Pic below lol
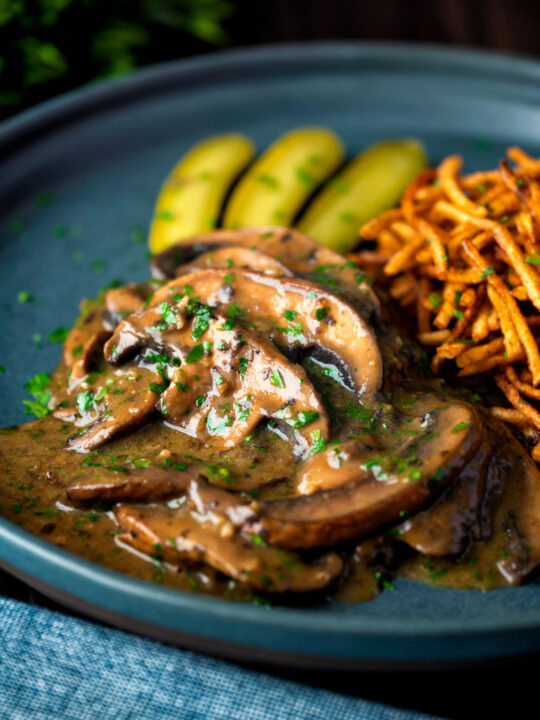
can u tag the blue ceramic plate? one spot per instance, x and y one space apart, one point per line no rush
103 151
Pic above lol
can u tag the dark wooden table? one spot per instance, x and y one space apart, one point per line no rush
499 690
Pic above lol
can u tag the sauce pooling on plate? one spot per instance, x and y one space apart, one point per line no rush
250 424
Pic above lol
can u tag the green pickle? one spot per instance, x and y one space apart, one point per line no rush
279 183
192 196
371 183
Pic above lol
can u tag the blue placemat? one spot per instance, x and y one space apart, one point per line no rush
57 667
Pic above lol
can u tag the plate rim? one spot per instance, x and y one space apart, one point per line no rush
67 108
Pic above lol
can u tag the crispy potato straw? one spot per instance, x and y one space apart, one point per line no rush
462 254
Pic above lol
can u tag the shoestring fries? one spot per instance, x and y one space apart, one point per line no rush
462 252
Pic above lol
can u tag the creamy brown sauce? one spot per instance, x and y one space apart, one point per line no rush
295 427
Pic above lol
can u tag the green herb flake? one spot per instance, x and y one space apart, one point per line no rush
268 181
99 266
165 215
85 401
157 388
276 379
243 363
195 354
290 314
460 426
321 313
234 310
24 296
305 178
305 417
258 540
59 335
167 313
435 300
319 443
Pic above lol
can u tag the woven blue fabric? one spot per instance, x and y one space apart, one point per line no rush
56 667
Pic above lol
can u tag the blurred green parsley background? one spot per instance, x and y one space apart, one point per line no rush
49 46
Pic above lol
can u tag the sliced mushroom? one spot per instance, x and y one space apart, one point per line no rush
225 385
375 498
84 341
91 352
456 519
295 250
239 258
121 402
317 318
178 536
519 512
124 300
140 485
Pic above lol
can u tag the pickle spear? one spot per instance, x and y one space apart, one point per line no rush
278 184
374 181
192 196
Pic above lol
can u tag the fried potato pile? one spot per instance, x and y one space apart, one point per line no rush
463 253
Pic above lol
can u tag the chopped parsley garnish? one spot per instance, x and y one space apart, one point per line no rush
167 313
305 178
319 443
269 180
357 412
234 310
24 296
38 387
487 272
157 388
533 259
458 314
290 314
276 379
200 400
321 313
243 363
85 401
257 540
195 354
164 215
304 417
202 321
228 325
140 462
59 335
460 426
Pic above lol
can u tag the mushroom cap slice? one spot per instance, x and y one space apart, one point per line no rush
141 485
238 257
182 537
224 386
457 518
319 318
126 299
292 248
362 505
120 404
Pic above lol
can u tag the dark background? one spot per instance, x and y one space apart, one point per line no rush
50 46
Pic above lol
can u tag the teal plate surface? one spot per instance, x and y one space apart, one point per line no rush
103 152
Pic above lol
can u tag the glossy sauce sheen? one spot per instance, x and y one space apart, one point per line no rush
369 470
